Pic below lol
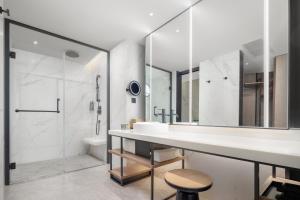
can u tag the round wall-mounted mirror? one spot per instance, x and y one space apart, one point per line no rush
134 88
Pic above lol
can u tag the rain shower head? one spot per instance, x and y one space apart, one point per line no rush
72 54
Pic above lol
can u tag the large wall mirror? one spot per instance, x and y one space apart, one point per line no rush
221 63
168 56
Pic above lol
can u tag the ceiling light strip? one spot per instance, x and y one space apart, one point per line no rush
150 74
190 63
266 62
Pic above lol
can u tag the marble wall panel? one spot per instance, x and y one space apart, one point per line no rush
219 90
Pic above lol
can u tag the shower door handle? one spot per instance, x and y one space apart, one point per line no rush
57 105
39 111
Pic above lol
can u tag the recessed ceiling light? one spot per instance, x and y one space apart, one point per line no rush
151 14
177 31
35 42
246 64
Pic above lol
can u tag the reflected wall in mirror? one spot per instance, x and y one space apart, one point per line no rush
228 52
227 63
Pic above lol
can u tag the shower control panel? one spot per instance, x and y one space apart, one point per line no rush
99 110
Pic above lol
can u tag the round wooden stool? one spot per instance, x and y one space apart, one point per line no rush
188 183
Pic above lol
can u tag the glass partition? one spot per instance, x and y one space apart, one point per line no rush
169 72
53 104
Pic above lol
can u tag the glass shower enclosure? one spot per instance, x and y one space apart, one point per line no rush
53 104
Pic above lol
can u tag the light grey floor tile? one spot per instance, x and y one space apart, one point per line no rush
43 169
89 184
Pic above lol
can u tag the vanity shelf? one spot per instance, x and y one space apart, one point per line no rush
142 167
285 181
129 172
144 161
282 187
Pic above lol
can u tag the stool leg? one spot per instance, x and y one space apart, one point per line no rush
186 196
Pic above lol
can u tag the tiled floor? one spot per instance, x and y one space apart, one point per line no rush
38 170
89 184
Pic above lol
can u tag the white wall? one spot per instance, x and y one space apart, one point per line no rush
36 81
127 63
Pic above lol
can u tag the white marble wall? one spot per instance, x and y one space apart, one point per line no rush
36 81
127 64
219 99
80 89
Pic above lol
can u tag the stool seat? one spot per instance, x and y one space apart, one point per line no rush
188 179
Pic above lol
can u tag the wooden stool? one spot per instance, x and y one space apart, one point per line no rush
188 183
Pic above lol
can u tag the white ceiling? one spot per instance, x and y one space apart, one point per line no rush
103 23
23 38
220 27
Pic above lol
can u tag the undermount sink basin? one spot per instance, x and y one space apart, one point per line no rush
150 127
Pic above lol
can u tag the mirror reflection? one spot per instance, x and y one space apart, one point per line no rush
169 84
222 64
228 59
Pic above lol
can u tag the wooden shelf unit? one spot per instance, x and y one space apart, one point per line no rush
143 161
286 181
129 171
281 185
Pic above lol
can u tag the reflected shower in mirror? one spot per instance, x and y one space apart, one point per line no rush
168 73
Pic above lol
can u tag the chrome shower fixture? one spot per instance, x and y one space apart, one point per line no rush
72 54
98 88
99 109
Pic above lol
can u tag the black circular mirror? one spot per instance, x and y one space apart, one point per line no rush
134 88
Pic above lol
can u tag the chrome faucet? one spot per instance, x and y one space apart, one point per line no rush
163 114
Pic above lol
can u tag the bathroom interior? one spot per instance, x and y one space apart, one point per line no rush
225 63
194 99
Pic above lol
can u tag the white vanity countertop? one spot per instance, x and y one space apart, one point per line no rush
264 150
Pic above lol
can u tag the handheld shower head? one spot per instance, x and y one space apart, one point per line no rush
99 109
98 80
98 88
